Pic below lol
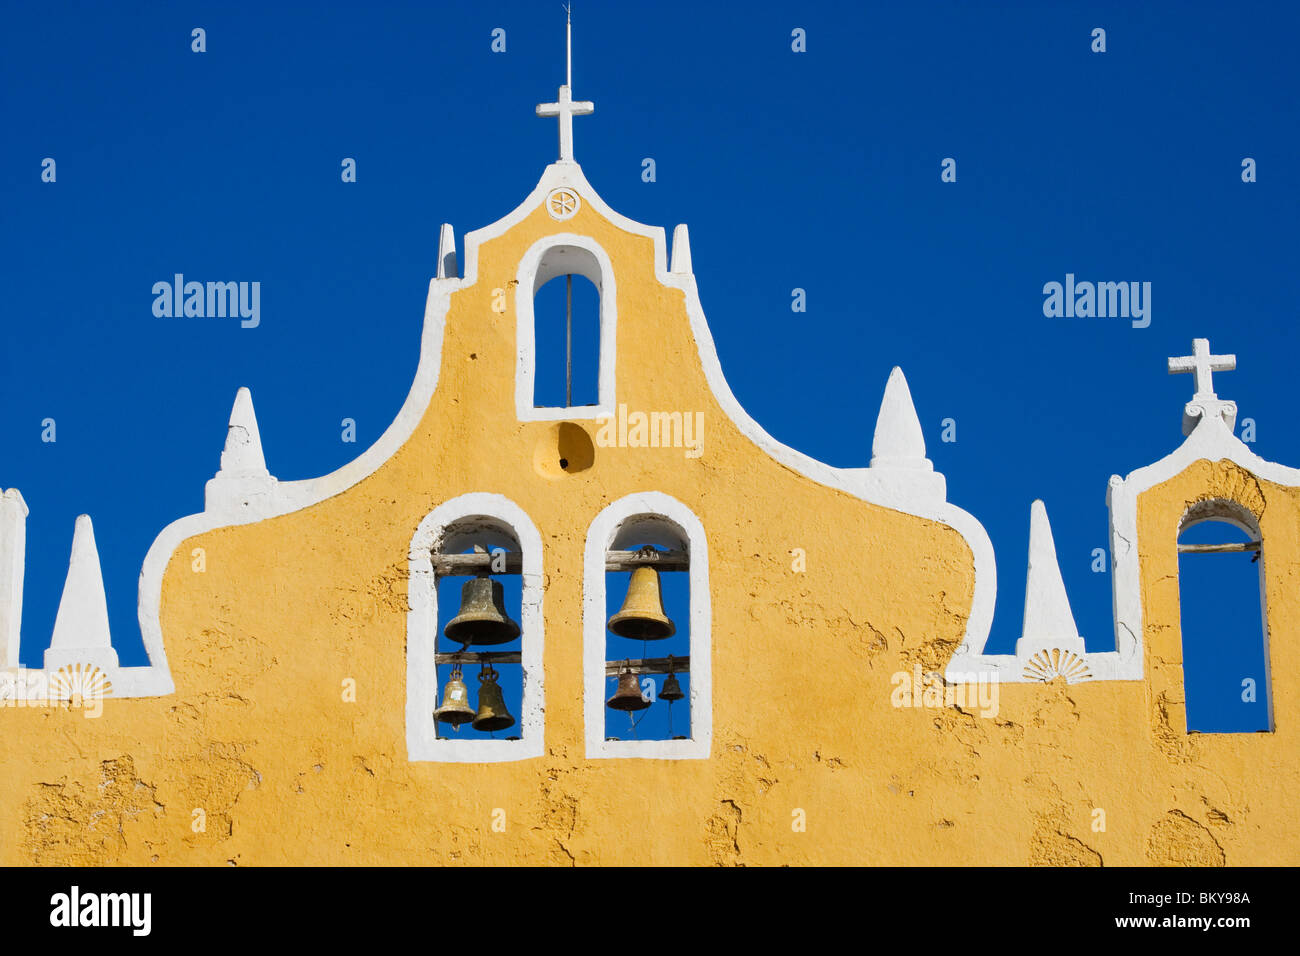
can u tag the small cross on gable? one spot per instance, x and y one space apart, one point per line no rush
1203 364
1205 404
566 109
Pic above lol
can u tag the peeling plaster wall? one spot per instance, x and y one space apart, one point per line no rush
259 737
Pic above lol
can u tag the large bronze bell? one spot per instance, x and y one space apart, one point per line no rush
455 709
642 616
482 618
628 696
492 714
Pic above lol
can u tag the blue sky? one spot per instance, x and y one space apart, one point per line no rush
818 170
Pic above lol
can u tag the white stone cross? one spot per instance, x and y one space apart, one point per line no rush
1202 363
566 109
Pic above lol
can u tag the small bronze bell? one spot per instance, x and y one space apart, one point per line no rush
492 714
455 709
672 690
628 696
642 616
482 618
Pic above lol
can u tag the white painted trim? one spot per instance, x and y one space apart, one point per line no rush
290 496
83 592
853 481
1210 440
13 565
33 683
285 497
534 272
600 536
422 742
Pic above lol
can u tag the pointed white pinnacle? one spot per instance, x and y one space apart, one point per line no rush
898 441
681 260
13 558
243 486
82 619
242 456
447 267
1048 618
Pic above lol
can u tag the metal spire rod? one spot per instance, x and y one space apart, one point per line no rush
568 279
568 341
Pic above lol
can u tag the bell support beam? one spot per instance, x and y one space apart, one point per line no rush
650 665
478 657
460 564
1218 548
662 560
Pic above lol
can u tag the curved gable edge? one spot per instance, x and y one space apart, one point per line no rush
286 497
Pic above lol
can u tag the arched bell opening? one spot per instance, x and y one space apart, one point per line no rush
478 650
1223 620
475 565
648 631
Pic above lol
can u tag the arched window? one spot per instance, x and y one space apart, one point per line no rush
565 304
566 313
1222 608
474 634
647 626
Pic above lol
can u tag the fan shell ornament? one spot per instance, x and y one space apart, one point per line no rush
1051 663
79 682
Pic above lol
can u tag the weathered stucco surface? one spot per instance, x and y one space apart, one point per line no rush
260 738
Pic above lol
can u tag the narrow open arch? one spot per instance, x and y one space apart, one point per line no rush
566 336
1223 619
491 521
551 257
629 522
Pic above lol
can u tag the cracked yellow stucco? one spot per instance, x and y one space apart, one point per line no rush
260 758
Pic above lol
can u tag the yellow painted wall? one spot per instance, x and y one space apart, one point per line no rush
258 734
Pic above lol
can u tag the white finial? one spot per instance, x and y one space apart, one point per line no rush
81 632
565 107
243 486
1048 622
1205 404
681 260
447 268
242 456
898 441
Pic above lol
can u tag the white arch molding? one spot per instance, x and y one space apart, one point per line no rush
1236 515
551 256
493 520
1211 440
634 515
286 497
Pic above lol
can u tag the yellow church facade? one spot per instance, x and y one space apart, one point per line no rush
842 709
